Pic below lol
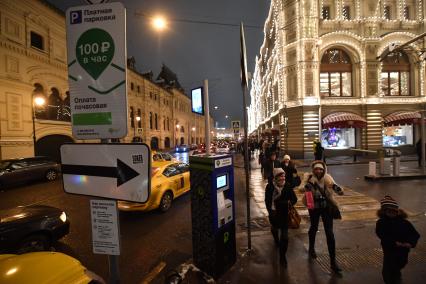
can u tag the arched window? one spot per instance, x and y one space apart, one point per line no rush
395 76
132 117
156 122
39 111
336 74
150 120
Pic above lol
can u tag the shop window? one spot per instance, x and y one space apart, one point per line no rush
338 138
37 40
335 74
326 13
395 76
394 136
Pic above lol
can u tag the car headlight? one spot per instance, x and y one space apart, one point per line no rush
63 217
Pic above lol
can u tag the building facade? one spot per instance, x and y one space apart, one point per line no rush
33 65
318 76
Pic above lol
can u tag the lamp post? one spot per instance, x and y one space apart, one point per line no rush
37 102
192 135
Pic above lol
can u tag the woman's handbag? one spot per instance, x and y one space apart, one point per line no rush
309 200
293 217
334 211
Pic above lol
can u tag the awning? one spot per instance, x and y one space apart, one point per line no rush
343 120
402 117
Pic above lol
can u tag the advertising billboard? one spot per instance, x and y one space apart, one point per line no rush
197 102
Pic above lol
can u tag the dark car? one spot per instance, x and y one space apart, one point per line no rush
182 148
19 171
31 228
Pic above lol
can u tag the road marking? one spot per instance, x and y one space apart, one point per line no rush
154 272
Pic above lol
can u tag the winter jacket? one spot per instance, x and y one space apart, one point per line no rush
268 169
281 203
397 229
312 183
290 173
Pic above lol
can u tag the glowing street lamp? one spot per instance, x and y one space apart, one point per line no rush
138 118
159 23
37 103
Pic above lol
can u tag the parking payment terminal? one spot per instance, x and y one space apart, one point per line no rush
213 213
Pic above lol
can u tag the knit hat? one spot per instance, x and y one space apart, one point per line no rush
286 157
278 171
388 202
318 165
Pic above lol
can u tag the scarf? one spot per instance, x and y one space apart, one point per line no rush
276 194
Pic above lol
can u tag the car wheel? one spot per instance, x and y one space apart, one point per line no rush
51 175
37 242
166 201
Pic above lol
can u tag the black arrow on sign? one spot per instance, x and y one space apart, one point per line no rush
122 172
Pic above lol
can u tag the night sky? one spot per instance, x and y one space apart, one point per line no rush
196 51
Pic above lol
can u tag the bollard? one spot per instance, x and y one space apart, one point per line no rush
396 166
372 168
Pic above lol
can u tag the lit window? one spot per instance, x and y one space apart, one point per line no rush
335 74
395 76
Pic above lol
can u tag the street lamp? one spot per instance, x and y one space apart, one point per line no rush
37 102
192 134
138 118
159 23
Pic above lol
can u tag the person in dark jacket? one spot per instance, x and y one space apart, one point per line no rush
419 152
397 237
289 167
270 164
278 194
318 150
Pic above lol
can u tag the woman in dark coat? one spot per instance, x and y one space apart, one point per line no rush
397 236
270 164
289 167
278 194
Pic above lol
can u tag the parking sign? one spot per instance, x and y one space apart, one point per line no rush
96 44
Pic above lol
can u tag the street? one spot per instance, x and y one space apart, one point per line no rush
161 241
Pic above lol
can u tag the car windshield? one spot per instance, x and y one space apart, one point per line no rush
4 165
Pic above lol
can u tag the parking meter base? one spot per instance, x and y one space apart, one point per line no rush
213 213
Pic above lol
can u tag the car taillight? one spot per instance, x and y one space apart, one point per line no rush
154 171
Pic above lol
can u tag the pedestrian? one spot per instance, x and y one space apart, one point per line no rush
270 164
289 167
318 150
278 194
397 237
419 152
321 185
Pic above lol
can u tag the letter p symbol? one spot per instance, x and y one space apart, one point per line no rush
76 17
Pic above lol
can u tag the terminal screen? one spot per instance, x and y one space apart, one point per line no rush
221 181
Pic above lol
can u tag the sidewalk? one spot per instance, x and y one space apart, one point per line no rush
358 249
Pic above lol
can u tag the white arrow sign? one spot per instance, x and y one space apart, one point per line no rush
116 171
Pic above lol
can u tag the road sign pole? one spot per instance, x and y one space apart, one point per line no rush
207 115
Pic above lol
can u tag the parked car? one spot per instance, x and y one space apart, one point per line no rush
18 171
45 267
193 146
169 180
182 148
31 228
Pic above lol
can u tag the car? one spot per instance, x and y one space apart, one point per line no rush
161 156
182 148
21 170
31 228
45 267
193 146
169 180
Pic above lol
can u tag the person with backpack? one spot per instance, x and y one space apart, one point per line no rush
397 236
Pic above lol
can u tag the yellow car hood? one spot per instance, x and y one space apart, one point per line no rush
41 268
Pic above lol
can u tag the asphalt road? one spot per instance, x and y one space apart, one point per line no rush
151 239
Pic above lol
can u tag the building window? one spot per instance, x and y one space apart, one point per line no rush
182 129
395 76
37 40
164 123
326 13
406 13
150 120
132 86
150 95
155 97
132 117
346 13
156 122
140 120
139 89
335 74
387 12
168 125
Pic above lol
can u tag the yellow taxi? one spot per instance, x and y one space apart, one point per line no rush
44 268
169 180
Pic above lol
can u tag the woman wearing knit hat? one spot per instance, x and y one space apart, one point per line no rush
397 237
321 185
278 194
289 167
